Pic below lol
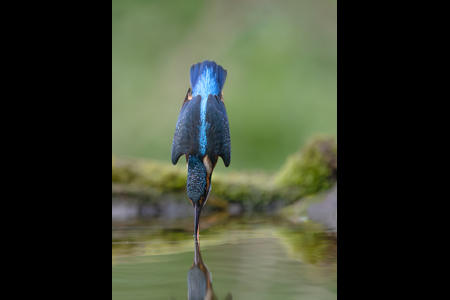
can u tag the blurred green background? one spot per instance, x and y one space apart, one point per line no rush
281 59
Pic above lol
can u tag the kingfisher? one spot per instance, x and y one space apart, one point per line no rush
202 133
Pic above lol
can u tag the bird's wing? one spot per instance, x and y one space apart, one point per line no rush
218 134
185 138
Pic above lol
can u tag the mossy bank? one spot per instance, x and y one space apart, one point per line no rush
310 170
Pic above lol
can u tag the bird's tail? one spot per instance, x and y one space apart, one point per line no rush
216 71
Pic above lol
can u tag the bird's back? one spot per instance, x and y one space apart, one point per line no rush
202 127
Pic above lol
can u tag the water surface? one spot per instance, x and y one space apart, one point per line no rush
237 258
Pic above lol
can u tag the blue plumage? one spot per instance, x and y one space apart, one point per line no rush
202 126
216 71
202 132
207 79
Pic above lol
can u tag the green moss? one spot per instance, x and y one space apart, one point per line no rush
147 173
307 172
244 187
312 169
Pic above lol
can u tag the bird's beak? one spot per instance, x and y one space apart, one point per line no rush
198 210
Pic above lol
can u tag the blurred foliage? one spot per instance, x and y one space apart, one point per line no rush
309 171
313 168
281 58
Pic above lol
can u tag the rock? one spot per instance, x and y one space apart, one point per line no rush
325 212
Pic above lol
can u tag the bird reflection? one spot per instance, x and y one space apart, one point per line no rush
199 278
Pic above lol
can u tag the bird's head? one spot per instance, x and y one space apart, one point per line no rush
199 180
199 183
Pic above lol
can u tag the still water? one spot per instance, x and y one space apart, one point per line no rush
235 258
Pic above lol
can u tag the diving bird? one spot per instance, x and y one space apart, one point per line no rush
202 133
